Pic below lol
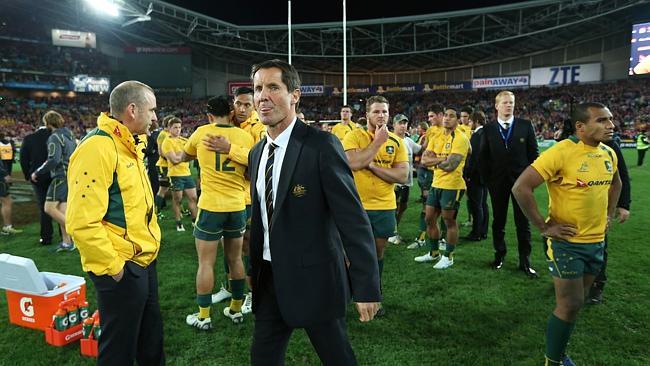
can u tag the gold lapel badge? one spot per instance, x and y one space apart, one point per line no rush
299 190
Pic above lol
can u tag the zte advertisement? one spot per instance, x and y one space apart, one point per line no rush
566 74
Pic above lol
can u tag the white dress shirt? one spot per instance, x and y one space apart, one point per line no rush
281 143
508 121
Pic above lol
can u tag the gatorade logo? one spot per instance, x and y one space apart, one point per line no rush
26 306
73 335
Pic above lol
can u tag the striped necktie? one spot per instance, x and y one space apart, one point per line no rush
268 184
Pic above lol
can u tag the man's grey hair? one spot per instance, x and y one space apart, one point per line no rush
125 93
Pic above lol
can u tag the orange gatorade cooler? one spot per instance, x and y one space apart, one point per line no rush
33 297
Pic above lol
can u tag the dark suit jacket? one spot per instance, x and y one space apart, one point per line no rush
317 213
503 166
33 153
471 171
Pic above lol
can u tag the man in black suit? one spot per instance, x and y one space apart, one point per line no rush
508 146
305 211
33 154
476 190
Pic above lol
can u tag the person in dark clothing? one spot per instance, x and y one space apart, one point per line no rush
33 154
508 147
152 155
476 190
60 146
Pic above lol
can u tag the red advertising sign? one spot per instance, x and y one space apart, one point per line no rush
234 85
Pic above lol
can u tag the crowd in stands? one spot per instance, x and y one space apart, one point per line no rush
546 107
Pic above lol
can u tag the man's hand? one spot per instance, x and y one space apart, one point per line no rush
367 310
622 214
8 178
217 143
118 277
429 154
559 231
381 135
34 177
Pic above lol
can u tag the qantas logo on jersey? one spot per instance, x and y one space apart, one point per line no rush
582 184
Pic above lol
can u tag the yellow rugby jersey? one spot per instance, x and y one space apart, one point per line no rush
434 131
176 144
465 129
444 145
257 130
254 127
340 130
222 178
578 178
162 161
375 193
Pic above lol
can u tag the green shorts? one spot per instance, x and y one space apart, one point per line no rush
183 183
4 188
383 223
445 199
57 191
212 226
249 213
163 179
573 260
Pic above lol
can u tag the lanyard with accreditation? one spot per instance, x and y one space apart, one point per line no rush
506 137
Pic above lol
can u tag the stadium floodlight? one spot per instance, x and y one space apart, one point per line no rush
107 7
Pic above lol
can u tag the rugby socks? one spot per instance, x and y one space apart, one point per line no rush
237 288
449 250
558 332
204 302
423 224
433 246
159 202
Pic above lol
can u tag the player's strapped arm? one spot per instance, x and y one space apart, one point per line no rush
398 173
359 157
430 159
90 175
451 163
613 195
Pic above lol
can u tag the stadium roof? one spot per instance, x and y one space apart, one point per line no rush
433 41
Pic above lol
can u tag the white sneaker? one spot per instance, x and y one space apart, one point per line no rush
236 318
180 227
247 307
444 263
193 320
7 230
427 258
395 239
223 294
416 244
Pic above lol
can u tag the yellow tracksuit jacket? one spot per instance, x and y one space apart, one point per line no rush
110 213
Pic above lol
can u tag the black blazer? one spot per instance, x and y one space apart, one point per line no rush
33 154
501 165
471 171
317 214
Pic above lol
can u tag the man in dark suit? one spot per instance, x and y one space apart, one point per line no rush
476 190
33 154
305 211
508 146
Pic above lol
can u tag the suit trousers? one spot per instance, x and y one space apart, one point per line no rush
500 195
40 191
477 200
131 322
271 335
